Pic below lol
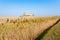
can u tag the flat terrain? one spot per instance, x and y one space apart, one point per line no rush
25 27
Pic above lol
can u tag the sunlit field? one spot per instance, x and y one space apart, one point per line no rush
53 33
29 28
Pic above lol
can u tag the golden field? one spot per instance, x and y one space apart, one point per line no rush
25 27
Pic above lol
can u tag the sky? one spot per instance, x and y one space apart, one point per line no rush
36 7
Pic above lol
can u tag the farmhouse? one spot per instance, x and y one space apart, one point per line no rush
28 14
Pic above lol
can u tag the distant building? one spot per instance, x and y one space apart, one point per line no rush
28 14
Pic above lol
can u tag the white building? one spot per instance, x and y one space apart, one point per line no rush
28 14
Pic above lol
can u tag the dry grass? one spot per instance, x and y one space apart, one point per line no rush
53 33
25 28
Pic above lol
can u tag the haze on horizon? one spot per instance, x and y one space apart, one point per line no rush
37 7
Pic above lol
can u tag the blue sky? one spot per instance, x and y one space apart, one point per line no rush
37 7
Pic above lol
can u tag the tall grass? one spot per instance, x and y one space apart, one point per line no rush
53 33
22 28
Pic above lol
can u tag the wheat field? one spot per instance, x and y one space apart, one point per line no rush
24 27
53 33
